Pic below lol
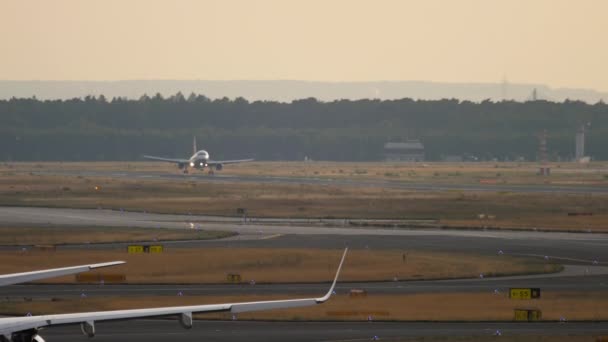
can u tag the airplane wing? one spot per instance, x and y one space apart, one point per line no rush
16 278
16 325
178 161
215 162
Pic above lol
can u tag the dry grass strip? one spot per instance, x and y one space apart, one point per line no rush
415 307
211 265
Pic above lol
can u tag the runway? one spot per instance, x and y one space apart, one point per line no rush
585 255
218 178
569 248
233 331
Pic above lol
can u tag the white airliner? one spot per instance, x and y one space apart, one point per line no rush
25 329
199 160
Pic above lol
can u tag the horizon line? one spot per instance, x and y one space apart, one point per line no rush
538 84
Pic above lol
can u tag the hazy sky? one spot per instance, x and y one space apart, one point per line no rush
557 42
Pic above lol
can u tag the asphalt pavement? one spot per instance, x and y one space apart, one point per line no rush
592 278
566 248
234 331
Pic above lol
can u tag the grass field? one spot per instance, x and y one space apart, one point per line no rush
565 173
444 173
211 265
448 208
53 235
571 306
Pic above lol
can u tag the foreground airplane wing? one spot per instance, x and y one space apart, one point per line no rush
179 161
215 162
15 328
16 278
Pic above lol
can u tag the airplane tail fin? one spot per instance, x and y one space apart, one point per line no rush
194 150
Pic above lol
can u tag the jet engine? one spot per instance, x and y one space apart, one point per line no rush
88 328
181 166
37 338
219 167
25 336
185 320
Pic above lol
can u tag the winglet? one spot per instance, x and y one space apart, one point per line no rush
333 285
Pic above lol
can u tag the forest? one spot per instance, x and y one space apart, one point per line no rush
97 128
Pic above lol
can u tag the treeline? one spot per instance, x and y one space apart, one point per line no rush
95 128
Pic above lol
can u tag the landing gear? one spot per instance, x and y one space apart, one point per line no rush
185 171
211 172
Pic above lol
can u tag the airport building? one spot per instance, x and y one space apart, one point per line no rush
409 151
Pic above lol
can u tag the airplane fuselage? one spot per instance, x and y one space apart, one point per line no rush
199 160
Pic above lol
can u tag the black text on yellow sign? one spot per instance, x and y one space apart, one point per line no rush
134 249
524 293
527 315
233 278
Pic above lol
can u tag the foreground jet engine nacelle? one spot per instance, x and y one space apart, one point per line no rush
219 167
23 336
27 336
185 320
88 328
181 166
